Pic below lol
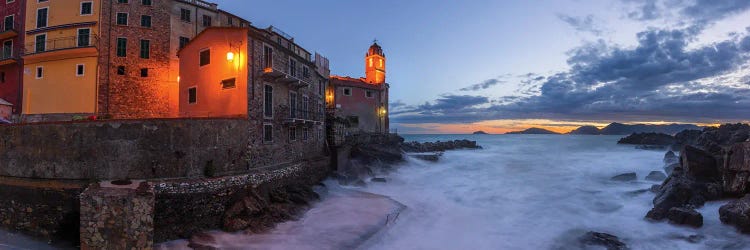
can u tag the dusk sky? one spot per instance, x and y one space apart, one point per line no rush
498 66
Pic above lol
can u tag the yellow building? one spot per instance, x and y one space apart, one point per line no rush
60 57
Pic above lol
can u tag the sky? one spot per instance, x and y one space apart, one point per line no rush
499 66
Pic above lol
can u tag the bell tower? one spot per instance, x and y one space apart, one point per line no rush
375 64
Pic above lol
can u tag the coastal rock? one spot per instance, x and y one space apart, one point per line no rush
669 169
416 147
625 177
608 241
382 180
656 139
736 169
686 137
685 216
671 158
431 157
680 190
699 164
656 176
257 210
737 214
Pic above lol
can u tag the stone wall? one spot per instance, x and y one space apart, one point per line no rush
117 217
137 149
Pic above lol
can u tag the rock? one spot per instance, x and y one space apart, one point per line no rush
655 188
671 168
685 216
416 147
610 242
736 169
651 147
382 180
687 137
431 157
625 177
699 164
737 214
671 158
679 190
652 139
656 176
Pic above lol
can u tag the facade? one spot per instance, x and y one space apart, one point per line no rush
11 38
261 75
362 102
113 58
6 110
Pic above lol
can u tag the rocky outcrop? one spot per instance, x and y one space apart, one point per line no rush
625 177
736 169
608 241
416 147
651 139
656 176
682 190
699 164
259 210
737 214
533 131
685 216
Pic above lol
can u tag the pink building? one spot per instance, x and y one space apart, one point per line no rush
363 102
11 40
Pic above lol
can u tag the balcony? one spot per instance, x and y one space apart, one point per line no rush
304 117
7 57
9 32
271 74
60 48
204 4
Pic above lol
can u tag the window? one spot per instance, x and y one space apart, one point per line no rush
193 95
369 94
205 57
122 18
321 87
306 72
145 49
146 21
347 91
121 70
305 110
268 101
39 72
8 23
7 49
2 77
230 21
144 72
305 133
229 83
87 8
267 57
184 41
41 17
79 70
122 47
146 2
292 105
292 134
185 15
122 1
206 21
268 133
40 43
84 37
292 67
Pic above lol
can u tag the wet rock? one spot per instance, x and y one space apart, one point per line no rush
687 137
680 190
685 216
651 139
736 169
671 158
202 241
737 214
416 147
671 168
699 164
610 242
625 177
655 188
431 157
656 176
382 180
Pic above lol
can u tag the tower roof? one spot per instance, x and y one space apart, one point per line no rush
375 49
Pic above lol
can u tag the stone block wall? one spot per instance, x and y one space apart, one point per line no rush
117 217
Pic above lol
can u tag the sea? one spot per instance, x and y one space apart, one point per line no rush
519 192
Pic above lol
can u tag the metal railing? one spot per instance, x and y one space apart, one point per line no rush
307 115
4 55
203 4
14 27
60 44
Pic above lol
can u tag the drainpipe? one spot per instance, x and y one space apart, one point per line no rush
109 53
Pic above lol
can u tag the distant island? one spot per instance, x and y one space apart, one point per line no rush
624 129
480 133
533 131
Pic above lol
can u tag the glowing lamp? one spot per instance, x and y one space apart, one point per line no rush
230 56
178 79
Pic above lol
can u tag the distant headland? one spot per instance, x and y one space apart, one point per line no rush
533 131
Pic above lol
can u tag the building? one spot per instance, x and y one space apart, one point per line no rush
362 102
113 58
6 110
11 37
261 75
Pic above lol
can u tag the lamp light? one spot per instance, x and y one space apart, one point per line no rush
230 56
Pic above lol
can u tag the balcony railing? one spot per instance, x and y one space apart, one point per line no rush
203 4
306 117
9 31
272 74
7 55
60 44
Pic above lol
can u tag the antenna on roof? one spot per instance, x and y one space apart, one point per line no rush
375 40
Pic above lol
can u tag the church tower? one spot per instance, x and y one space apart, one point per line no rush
375 65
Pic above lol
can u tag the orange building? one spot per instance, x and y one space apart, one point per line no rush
363 101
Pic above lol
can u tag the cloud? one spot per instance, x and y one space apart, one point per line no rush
698 12
585 24
483 85
659 79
